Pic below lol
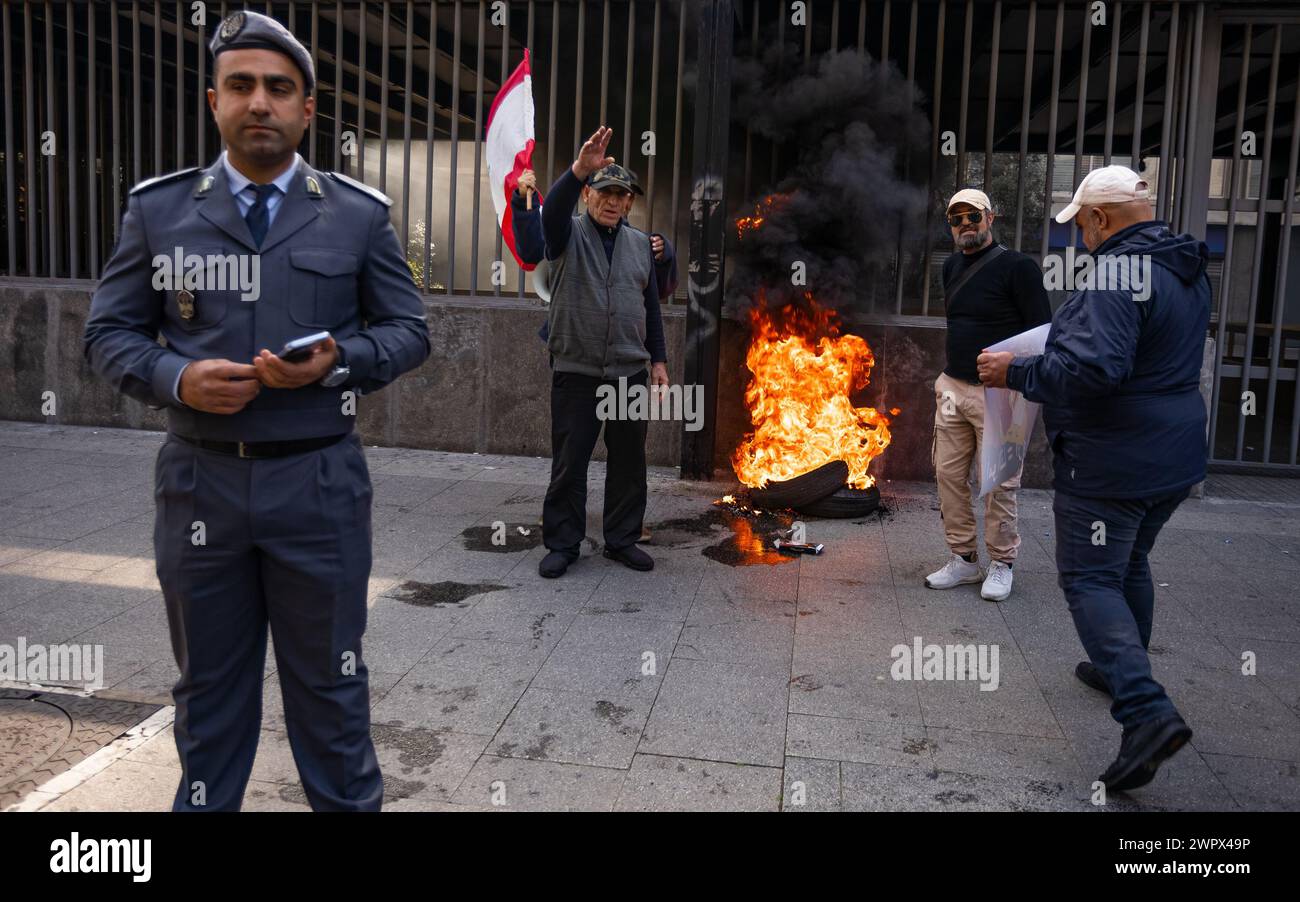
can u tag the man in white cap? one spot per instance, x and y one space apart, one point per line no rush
991 293
1119 381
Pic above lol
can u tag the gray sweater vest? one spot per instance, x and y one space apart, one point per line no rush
597 314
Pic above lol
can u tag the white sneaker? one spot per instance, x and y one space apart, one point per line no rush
998 585
957 572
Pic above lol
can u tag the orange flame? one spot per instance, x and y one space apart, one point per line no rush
762 210
804 372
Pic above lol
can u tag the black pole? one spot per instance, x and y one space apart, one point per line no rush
708 227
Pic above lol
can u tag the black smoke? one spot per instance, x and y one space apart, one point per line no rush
852 149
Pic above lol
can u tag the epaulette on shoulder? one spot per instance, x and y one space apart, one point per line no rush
163 179
363 188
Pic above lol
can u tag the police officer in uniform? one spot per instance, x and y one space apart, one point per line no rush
262 489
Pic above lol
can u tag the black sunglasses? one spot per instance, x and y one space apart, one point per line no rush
975 218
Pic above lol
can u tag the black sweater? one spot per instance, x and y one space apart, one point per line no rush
1003 299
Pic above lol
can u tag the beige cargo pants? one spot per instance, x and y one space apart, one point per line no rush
958 435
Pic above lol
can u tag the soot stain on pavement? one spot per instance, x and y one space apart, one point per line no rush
745 536
515 537
435 595
416 747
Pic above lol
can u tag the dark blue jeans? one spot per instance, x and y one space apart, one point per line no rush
1108 588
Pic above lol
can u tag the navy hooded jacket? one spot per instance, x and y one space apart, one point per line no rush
1119 378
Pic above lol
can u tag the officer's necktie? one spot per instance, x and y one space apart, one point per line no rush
258 216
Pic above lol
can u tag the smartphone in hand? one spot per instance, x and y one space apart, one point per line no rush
299 349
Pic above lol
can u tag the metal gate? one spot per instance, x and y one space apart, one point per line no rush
1252 212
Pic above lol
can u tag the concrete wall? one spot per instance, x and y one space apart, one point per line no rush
485 388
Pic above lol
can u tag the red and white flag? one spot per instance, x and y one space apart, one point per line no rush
509 147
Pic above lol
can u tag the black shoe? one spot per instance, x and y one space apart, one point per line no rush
1089 675
555 563
1143 749
631 556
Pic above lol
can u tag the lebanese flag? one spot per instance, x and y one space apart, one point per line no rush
510 140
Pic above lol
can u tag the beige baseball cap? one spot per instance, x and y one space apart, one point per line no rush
1108 185
973 196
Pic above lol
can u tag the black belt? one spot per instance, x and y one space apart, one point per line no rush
259 450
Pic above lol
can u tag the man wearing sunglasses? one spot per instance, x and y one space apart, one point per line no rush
991 293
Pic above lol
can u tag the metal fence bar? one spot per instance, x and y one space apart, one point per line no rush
29 85
1110 81
555 75
604 61
201 111
959 176
655 40
1085 64
577 94
363 88
407 90
1261 211
1024 123
338 83
1279 288
383 99
74 220
1167 116
629 143
749 132
478 147
52 267
1140 95
532 19
900 251
1192 72
136 92
159 99
180 88
993 94
884 30
505 58
315 65
11 198
1226 281
677 128
427 271
1051 130
862 25
455 147
934 161
92 151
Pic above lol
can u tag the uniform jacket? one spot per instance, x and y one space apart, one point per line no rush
330 261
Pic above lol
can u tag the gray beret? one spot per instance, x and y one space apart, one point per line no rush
245 29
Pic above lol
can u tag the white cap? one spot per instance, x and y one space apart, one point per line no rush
1108 185
973 196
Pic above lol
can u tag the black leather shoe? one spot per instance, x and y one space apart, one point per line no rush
1143 749
555 563
1090 676
631 556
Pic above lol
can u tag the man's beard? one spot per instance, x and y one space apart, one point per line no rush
968 241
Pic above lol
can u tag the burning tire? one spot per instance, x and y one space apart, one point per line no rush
804 489
844 503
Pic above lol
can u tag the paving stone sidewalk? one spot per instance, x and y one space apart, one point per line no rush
770 686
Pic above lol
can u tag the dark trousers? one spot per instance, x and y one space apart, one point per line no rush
1108 588
574 427
285 545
